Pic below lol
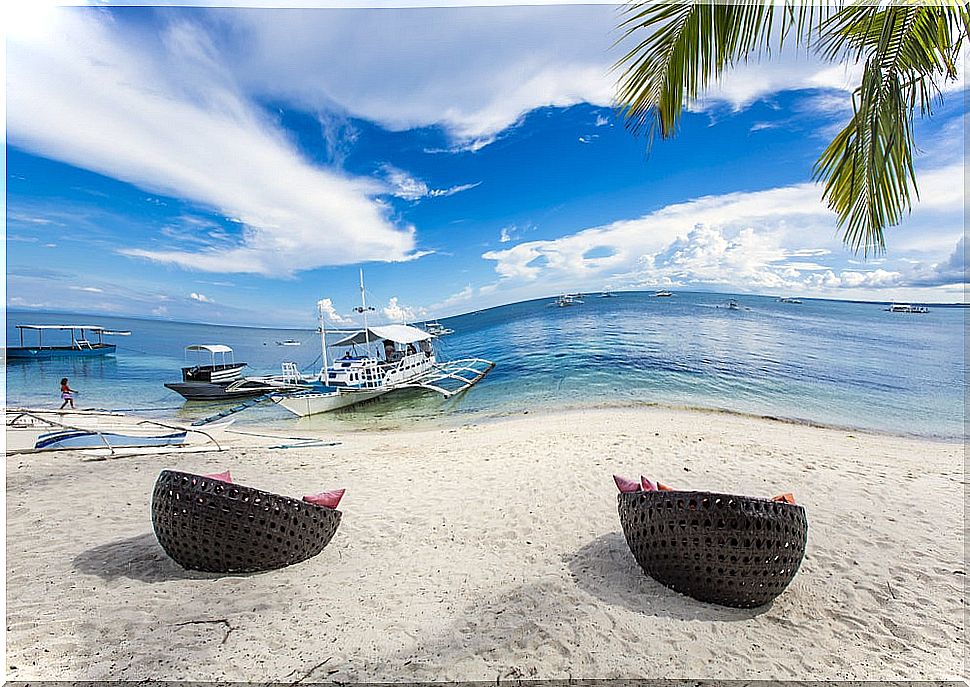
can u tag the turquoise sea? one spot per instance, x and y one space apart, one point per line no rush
829 362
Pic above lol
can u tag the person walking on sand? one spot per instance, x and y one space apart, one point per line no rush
67 393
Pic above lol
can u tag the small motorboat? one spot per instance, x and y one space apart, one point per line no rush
568 299
288 342
663 294
435 328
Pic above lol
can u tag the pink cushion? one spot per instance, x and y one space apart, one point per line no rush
327 499
625 485
220 476
646 484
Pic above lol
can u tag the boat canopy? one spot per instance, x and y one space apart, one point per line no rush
211 348
398 333
91 327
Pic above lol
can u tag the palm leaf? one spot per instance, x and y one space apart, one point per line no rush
867 170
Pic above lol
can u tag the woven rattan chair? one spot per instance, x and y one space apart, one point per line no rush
729 550
205 524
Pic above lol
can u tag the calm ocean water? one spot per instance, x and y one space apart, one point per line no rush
844 364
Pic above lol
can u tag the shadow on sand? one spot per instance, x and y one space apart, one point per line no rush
606 569
138 558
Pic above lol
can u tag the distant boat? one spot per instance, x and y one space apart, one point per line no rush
435 328
80 346
733 305
288 342
907 308
663 294
568 299
788 299
607 294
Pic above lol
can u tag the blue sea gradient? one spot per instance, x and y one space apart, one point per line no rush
836 363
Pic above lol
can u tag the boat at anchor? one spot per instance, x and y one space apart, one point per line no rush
377 360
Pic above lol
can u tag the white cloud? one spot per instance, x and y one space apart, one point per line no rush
200 297
403 185
167 116
601 121
395 312
753 241
326 305
504 236
87 289
463 296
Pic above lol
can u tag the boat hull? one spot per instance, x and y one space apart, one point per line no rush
46 352
206 391
306 404
79 439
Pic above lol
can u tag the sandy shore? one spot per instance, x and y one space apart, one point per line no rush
494 551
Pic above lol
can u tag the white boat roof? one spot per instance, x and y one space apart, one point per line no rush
212 348
398 333
92 327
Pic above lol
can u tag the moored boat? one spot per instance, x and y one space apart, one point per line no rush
405 358
221 379
907 308
79 346
568 299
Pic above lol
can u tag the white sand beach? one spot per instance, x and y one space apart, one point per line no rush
493 551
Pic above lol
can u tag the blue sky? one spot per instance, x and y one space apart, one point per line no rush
238 165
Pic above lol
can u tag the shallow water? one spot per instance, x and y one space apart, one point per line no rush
838 363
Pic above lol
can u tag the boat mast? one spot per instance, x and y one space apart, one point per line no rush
362 309
323 341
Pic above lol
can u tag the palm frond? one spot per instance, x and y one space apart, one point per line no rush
687 44
868 169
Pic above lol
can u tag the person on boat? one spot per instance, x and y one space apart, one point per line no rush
67 393
388 350
411 349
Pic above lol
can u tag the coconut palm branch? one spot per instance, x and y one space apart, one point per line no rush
867 171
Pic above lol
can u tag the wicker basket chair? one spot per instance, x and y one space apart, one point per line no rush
721 548
205 524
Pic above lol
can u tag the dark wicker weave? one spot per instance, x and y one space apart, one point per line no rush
730 550
209 525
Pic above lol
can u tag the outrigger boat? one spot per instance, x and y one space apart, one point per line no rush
80 346
407 360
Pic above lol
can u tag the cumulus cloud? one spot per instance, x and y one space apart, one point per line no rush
777 239
395 312
330 312
165 114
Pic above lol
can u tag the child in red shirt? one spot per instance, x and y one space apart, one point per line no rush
67 393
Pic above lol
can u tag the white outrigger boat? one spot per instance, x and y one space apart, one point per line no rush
405 359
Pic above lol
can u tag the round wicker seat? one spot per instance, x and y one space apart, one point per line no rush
205 524
726 549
